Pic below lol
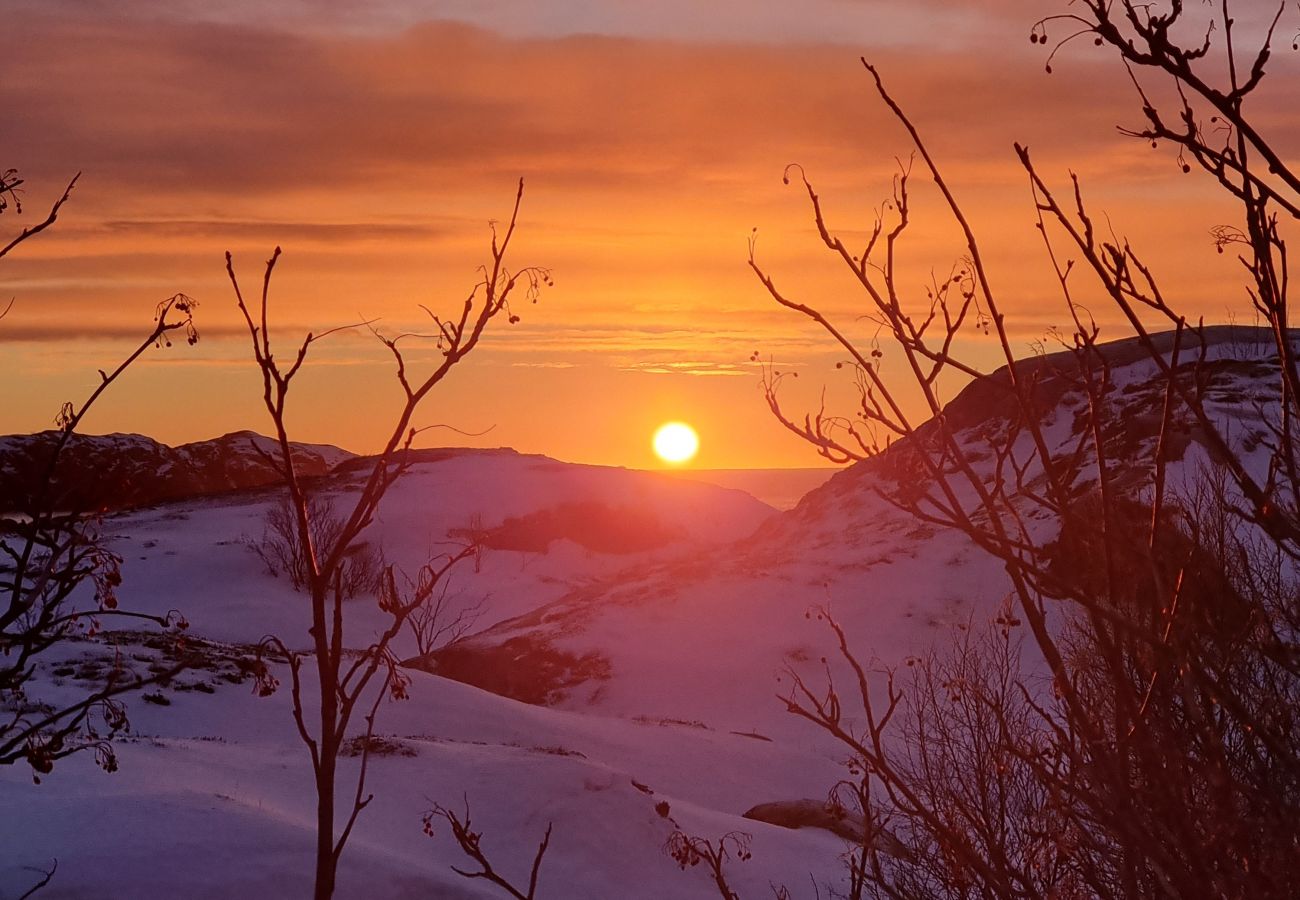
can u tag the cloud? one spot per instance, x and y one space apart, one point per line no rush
375 141
274 231
221 112
927 23
694 369
107 331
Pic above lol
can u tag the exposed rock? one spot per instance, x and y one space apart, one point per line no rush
119 471
820 814
527 668
809 814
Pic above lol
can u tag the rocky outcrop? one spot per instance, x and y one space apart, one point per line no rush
120 471
819 814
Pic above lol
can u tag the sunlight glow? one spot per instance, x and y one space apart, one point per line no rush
676 442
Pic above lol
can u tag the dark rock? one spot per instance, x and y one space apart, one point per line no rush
819 814
101 473
809 814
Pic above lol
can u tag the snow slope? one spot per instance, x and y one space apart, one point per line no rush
214 797
705 636
195 555
690 634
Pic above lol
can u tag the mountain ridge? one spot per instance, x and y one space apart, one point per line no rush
123 471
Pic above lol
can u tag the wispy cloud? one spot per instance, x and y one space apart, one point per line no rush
690 368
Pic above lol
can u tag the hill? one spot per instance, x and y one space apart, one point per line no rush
120 471
630 655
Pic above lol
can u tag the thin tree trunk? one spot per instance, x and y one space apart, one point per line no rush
326 861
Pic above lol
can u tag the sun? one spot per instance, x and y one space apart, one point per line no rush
676 442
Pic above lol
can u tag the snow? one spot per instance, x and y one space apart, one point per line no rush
214 798
214 795
195 555
705 636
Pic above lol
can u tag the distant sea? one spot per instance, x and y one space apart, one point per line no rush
782 488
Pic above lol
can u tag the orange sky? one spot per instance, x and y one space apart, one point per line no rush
373 142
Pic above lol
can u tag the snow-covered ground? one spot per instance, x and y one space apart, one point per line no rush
214 796
214 799
705 636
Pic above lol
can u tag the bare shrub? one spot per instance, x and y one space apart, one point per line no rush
59 578
471 844
439 615
1138 736
281 550
689 851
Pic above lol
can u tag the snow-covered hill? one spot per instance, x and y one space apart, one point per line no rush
646 619
197 554
216 776
214 800
702 637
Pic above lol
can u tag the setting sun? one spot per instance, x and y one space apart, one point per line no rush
676 442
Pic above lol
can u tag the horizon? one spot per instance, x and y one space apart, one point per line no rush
663 467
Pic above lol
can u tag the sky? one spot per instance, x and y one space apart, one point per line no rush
374 142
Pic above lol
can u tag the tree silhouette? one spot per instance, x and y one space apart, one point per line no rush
349 679
1159 753
51 556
